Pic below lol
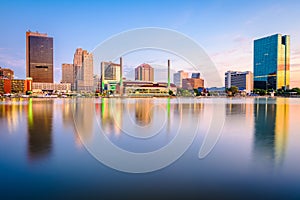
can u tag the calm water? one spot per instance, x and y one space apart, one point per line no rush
43 150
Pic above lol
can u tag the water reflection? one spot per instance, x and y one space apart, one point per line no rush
260 137
271 131
84 112
39 120
111 115
143 112
12 112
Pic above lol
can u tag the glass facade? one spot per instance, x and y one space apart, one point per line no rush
272 62
40 58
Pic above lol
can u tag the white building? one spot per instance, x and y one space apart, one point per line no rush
177 77
242 80
61 87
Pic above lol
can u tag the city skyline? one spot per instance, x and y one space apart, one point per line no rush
227 39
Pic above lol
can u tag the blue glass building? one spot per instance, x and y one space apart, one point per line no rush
272 62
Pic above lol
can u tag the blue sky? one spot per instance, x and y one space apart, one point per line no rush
224 28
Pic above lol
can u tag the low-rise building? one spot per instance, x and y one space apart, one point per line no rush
192 83
147 88
5 86
242 80
15 85
51 87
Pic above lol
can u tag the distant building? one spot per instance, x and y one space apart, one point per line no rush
147 88
83 70
196 75
112 71
68 74
5 86
179 76
111 75
97 84
272 62
192 83
6 73
51 87
15 86
242 80
144 72
217 91
195 82
39 57
78 64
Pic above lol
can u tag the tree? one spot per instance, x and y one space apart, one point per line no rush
232 90
296 90
261 92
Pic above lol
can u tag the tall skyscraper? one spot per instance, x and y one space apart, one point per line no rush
83 70
68 74
179 76
77 62
144 72
272 62
242 80
39 57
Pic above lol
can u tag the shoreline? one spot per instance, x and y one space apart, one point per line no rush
155 97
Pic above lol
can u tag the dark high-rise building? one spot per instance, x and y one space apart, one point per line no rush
39 57
272 62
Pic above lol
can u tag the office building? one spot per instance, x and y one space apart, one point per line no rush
39 57
144 72
242 80
195 82
68 74
5 86
83 70
110 75
272 62
51 87
15 85
147 88
192 83
6 73
179 76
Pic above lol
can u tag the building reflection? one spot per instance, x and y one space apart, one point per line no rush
67 114
143 111
188 108
236 109
271 130
39 120
11 111
281 129
84 115
240 113
111 115
68 120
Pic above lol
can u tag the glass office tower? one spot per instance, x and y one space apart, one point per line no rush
272 62
39 57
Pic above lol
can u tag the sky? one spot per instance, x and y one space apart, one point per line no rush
225 29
